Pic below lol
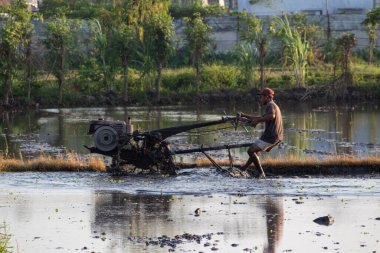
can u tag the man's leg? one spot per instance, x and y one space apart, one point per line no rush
256 162
252 150
254 158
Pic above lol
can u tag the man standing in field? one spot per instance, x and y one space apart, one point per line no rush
273 132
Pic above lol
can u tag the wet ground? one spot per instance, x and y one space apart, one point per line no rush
198 211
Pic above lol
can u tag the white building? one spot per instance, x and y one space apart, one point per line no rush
312 7
229 4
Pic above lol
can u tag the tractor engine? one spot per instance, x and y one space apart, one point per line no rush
144 150
109 134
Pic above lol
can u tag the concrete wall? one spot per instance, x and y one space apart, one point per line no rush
319 7
226 29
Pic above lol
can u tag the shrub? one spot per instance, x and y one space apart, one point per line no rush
220 77
180 80
213 77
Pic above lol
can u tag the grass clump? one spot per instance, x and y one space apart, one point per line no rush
311 166
4 240
69 163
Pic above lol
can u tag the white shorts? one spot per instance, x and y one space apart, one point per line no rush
263 145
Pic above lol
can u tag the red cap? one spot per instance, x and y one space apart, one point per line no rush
267 92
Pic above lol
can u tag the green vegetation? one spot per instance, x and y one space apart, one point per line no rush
12 35
4 239
296 47
344 46
198 39
118 52
255 35
372 22
159 32
59 42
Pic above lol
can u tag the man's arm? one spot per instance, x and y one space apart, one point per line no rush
265 118
249 117
254 120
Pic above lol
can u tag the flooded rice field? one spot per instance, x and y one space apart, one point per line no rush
199 210
309 130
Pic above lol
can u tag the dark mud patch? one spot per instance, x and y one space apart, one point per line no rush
173 242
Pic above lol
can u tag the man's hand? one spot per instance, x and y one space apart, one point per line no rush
254 122
240 115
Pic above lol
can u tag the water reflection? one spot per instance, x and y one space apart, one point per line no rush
55 220
309 130
239 220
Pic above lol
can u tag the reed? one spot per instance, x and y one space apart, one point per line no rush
296 166
291 165
71 162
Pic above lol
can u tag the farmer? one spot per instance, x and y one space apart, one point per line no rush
272 135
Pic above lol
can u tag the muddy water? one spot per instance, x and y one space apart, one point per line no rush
90 212
310 130
94 212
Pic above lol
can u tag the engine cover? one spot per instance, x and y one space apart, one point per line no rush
107 133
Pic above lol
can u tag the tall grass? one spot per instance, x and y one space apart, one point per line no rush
70 163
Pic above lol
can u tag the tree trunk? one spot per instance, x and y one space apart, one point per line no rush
7 77
125 62
328 27
125 75
371 46
261 71
61 78
28 61
197 79
158 81
7 89
262 59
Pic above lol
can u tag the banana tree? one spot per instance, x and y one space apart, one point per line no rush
247 55
296 48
